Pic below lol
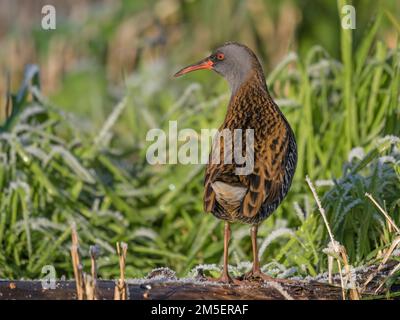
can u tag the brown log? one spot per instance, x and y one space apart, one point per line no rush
172 289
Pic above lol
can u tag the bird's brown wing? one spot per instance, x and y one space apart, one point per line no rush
217 171
209 194
266 181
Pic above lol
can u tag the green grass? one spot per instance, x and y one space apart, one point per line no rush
57 167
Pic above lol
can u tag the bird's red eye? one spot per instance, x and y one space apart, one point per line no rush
220 56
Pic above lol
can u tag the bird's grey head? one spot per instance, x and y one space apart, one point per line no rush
234 61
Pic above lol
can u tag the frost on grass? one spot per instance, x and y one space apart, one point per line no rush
393 140
162 273
32 111
332 249
145 232
288 273
356 153
299 212
325 183
167 275
302 212
71 161
105 134
37 152
387 159
274 235
274 269
199 269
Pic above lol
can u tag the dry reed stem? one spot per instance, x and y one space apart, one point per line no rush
336 246
91 280
341 279
90 287
397 267
354 294
85 284
93 251
330 267
389 220
322 211
388 253
120 292
395 243
76 262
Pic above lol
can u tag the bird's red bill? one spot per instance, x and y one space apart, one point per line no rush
204 64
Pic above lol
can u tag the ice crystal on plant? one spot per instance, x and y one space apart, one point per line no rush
162 274
272 236
299 212
324 183
389 138
356 153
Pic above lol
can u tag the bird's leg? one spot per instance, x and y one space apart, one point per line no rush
256 272
225 277
227 236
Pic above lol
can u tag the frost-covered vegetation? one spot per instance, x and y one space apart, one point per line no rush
56 168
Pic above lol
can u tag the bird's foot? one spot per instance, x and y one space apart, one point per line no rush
225 279
259 275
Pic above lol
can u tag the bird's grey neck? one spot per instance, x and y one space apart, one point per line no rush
239 80
236 80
